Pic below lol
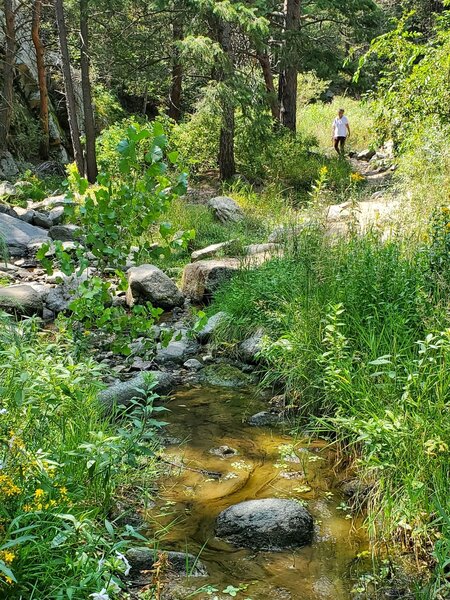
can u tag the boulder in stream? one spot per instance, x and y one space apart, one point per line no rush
270 524
265 418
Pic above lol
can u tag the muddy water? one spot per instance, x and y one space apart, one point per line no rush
267 463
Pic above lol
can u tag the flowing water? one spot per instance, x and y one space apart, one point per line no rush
267 463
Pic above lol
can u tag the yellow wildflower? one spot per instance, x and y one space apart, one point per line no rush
7 556
323 171
39 493
7 487
356 177
445 210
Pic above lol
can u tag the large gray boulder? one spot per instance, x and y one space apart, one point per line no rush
225 209
268 524
202 278
180 563
18 235
21 300
123 392
147 283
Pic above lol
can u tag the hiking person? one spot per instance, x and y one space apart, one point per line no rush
341 131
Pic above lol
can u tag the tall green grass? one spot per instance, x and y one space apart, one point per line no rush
357 335
316 120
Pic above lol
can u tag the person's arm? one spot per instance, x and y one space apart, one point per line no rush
348 129
333 127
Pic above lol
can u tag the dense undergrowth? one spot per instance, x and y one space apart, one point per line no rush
60 476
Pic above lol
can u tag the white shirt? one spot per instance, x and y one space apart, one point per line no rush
340 127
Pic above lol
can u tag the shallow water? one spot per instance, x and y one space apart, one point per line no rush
268 463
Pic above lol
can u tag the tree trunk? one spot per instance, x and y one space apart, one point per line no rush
174 111
68 85
42 78
89 122
6 108
272 98
227 164
288 77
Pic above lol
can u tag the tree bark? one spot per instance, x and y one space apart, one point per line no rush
6 107
42 78
68 85
176 89
288 76
227 164
89 122
264 61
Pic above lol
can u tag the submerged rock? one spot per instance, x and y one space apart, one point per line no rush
223 375
180 563
265 418
137 387
147 283
267 524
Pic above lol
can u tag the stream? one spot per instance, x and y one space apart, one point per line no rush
268 463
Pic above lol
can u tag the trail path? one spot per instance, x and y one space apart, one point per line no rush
379 208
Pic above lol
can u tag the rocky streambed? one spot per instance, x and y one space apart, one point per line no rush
257 510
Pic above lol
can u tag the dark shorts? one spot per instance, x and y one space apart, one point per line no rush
340 139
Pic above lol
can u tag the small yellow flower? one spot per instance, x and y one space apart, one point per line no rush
7 556
39 493
356 177
7 487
